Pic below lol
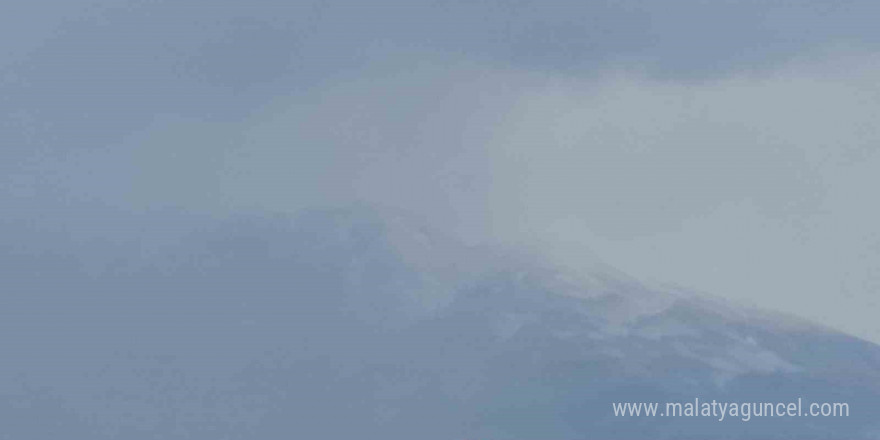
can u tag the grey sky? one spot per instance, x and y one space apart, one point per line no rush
728 146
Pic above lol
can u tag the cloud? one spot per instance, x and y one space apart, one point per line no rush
736 158
753 186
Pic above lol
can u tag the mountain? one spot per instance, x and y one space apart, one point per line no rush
359 323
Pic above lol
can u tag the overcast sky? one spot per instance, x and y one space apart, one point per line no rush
728 146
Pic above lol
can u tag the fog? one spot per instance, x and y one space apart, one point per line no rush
740 161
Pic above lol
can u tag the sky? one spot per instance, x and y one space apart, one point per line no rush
730 147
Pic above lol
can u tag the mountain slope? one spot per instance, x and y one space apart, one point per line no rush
356 323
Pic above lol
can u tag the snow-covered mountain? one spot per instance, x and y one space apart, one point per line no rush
360 324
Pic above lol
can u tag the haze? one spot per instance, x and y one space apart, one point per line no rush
730 147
